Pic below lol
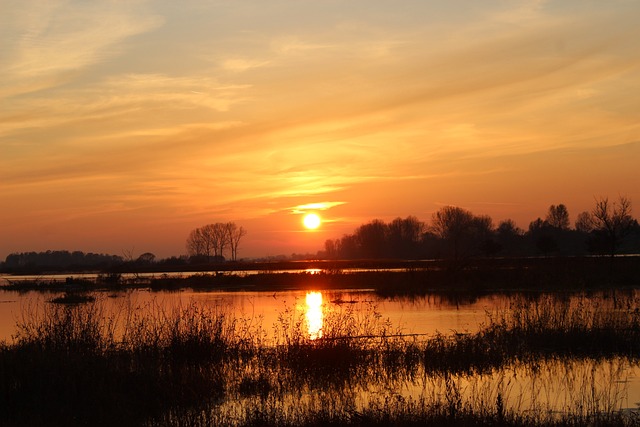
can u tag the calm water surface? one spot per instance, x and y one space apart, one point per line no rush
556 385
421 316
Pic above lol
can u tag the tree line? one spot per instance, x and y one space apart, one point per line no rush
55 260
452 233
210 242
457 233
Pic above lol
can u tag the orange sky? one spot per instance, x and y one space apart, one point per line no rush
124 125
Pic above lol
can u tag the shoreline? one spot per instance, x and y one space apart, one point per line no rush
386 277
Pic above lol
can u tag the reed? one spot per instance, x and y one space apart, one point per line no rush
542 327
196 366
448 404
73 365
606 324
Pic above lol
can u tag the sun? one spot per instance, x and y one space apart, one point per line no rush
311 221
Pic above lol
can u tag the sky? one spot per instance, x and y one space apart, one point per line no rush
126 124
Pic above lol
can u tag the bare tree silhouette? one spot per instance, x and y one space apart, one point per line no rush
234 234
453 225
613 220
211 240
558 217
584 222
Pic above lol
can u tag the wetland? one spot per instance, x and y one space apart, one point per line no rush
158 356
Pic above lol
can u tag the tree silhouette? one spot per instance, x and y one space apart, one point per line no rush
509 237
584 222
331 250
558 217
146 258
209 241
58 260
454 226
219 238
197 244
234 234
543 237
612 220
457 233
372 239
404 237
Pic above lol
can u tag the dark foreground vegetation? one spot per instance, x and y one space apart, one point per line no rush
192 366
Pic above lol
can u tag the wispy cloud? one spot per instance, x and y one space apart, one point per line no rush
242 64
287 45
180 101
243 111
318 206
522 12
51 42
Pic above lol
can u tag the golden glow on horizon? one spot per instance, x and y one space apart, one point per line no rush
107 145
311 221
313 314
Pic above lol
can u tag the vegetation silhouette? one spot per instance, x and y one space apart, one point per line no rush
453 234
209 242
458 235
198 366
57 261
192 365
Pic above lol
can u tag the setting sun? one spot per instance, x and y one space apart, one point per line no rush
311 221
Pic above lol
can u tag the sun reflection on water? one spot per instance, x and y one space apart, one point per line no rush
314 314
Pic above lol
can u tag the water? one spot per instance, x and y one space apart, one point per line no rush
557 385
420 316
550 388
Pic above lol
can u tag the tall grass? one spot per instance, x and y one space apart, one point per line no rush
351 339
76 365
604 325
193 365
443 400
544 326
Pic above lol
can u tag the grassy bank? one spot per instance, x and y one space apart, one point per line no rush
388 278
75 365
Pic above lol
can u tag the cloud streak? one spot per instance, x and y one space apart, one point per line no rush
111 109
51 42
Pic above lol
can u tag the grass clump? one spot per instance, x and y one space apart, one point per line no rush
197 366
393 410
74 365
544 327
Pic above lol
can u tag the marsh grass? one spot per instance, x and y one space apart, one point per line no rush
195 366
74 365
388 278
73 298
450 401
608 324
540 327
349 334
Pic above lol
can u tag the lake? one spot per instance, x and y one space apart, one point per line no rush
554 386
422 316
